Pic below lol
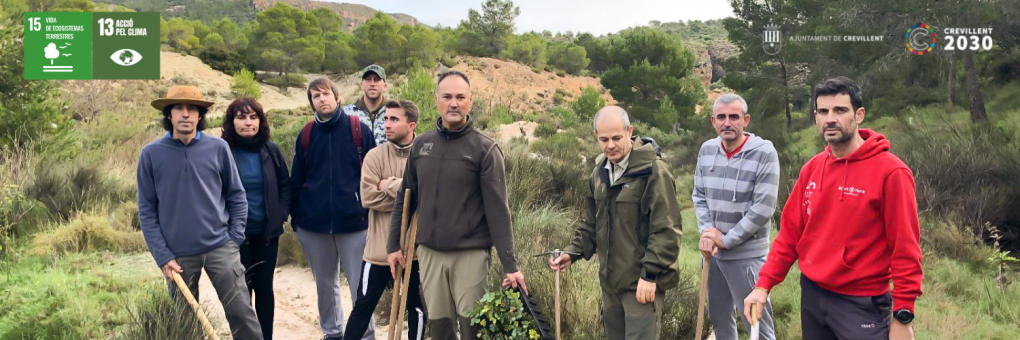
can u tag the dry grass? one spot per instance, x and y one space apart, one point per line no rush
88 232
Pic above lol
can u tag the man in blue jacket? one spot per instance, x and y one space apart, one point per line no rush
192 207
326 207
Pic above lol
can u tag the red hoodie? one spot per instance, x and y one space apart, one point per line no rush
851 224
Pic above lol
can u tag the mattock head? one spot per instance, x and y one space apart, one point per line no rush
557 252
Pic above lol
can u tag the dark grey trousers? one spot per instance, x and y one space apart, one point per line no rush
825 315
223 265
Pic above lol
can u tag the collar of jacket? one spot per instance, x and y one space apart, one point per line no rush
360 103
333 121
402 151
642 156
451 133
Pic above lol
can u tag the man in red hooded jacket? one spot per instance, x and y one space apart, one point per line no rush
851 224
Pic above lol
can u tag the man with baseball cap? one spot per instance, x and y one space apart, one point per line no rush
192 207
369 108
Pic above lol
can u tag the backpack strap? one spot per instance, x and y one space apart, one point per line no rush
306 140
356 135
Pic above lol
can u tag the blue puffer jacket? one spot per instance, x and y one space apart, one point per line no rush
326 185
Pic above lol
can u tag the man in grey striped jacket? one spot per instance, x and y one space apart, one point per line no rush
735 186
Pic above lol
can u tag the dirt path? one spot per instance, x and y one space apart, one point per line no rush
297 317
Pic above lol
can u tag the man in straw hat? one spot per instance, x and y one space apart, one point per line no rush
192 207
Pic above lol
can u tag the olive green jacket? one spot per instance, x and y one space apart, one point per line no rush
634 224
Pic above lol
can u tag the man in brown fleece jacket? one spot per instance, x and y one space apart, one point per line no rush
458 189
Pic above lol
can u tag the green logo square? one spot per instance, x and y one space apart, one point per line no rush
125 45
58 45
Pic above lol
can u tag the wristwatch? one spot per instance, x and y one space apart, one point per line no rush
904 316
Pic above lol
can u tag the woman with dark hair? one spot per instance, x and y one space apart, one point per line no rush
267 187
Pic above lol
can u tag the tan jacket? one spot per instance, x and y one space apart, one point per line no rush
382 162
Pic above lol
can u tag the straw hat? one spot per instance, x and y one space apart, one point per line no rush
181 95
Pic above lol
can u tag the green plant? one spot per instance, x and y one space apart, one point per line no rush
561 73
245 85
28 108
421 90
1001 260
567 118
159 317
589 102
545 130
80 185
558 99
502 317
12 210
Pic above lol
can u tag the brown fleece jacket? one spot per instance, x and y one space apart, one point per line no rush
458 188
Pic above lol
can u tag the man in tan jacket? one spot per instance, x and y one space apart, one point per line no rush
380 182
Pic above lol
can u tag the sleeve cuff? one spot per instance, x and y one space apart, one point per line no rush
767 286
510 268
730 241
160 262
649 276
903 304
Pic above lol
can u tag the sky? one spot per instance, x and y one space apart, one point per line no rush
598 17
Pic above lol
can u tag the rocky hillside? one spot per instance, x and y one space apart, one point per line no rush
353 14
241 11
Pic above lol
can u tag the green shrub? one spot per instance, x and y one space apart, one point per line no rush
501 316
421 90
292 80
589 102
965 173
225 60
448 61
536 70
290 249
557 99
525 176
567 118
14 206
81 185
561 73
545 130
245 85
158 317
27 107
562 92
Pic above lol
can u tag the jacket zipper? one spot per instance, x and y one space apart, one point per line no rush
609 230
435 209
329 139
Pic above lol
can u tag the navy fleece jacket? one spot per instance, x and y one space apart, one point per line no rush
327 186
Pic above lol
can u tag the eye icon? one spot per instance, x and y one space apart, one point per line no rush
126 57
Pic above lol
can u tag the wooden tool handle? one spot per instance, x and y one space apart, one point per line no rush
395 321
557 304
407 274
186 292
754 314
701 299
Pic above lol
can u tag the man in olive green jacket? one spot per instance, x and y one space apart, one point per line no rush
632 221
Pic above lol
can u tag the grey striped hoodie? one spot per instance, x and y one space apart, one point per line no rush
737 195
